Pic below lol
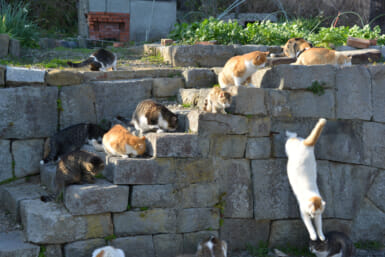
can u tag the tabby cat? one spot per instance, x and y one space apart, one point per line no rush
318 56
102 60
217 100
210 247
108 251
337 244
302 173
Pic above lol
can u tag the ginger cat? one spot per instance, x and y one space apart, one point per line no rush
296 46
239 68
120 142
217 100
302 174
317 56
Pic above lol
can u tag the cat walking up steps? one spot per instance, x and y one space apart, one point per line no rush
337 244
302 174
100 60
108 251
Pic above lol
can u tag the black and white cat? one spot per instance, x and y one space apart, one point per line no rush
102 60
152 116
337 244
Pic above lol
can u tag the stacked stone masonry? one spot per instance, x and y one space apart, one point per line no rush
222 175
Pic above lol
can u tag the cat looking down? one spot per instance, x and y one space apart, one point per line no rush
337 244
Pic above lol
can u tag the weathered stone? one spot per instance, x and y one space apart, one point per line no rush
378 93
288 232
47 176
83 248
363 56
369 223
258 148
134 171
248 101
64 78
244 49
259 127
354 93
12 245
235 188
2 75
197 219
165 87
5 160
100 197
54 251
341 225
135 246
154 196
326 185
28 112
199 78
229 146
152 221
27 155
4 42
167 245
50 223
191 240
374 144
193 97
14 47
376 193
273 198
190 171
240 232
200 195
24 76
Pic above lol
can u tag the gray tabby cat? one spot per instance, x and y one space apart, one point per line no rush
70 139
150 115
337 244
100 60
210 247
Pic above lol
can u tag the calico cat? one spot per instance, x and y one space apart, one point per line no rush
119 141
210 247
302 173
100 60
318 56
217 100
70 139
294 47
239 69
108 251
337 244
150 115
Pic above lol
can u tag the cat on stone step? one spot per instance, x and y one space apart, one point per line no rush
294 47
108 251
337 244
210 247
101 60
217 100
318 56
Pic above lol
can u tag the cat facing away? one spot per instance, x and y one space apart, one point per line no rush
101 60
150 115
108 251
337 244
70 139
294 47
217 100
210 247
238 69
302 174
118 141
318 56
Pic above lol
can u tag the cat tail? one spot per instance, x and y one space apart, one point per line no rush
88 61
311 140
98 147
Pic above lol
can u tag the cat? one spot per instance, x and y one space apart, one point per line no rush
210 247
239 69
217 100
100 60
150 115
70 139
318 56
294 47
337 244
118 141
302 174
108 251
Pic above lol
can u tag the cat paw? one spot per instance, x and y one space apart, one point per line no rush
322 237
160 131
313 237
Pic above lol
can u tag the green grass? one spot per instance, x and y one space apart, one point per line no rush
6 181
110 237
369 245
295 251
153 59
186 105
144 208
258 251
43 249
317 88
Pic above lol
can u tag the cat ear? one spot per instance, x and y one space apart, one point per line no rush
266 53
143 138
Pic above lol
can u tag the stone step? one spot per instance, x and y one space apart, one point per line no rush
12 244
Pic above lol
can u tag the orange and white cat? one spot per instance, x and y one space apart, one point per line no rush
302 174
108 251
318 56
217 100
239 69
296 46
119 141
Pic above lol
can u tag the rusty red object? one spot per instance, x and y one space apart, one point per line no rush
106 25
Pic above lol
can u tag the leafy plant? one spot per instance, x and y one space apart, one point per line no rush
42 251
261 250
110 237
317 88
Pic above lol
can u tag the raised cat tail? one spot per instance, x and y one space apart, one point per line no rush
315 133
88 61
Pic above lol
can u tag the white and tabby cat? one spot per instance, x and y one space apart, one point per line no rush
102 60
217 100
302 174
108 251
210 247
337 244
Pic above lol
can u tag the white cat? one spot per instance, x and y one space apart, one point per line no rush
302 173
108 251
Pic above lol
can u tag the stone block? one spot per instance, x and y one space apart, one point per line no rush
341 225
273 198
50 223
193 97
376 193
154 221
244 49
14 47
210 123
191 240
199 78
199 195
259 127
83 248
6 163
258 148
12 244
236 193
191 171
197 219
378 91
238 233
100 197
135 171
27 155
167 245
374 144
24 76
354 93
135 246
28 112
247 101
64 78
53 251
229 146
4 42
288 232
154 196
166 87
2 75
47 176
